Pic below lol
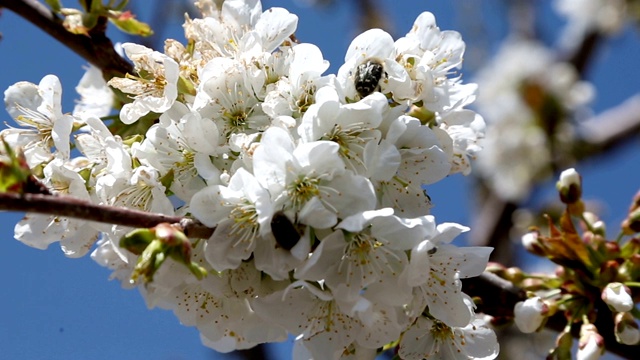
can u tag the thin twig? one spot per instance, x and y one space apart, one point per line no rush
95 48
68 206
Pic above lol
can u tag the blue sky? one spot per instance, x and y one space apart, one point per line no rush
59 308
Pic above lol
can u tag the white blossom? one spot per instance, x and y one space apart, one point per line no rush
446 264
156 87
432 339
38 108
96 98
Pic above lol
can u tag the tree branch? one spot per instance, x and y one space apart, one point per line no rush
95 48
499 297
68 206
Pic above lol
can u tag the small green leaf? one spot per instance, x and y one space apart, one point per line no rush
119 6
14 171
89 20
137 240
126 22
185 86
55 5
167 179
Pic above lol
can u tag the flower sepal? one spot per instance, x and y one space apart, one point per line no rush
157 244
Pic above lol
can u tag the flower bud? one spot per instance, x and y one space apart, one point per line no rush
618 297
635 204
609 270
597 225
569 186
564 343
626 329
514 274
632 266
529 314
531 242
631 225
591 344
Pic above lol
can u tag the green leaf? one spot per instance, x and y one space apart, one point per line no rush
89 20
126 22
55 5
137 240
14 171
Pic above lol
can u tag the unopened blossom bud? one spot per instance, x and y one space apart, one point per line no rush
531 242
570 186
530 313
618 297
626 329
514 275
595 223
632 266
631 225
630 247
157 244
564 343
635 204
591 344
609 270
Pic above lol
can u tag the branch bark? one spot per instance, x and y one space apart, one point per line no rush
68 206
96 48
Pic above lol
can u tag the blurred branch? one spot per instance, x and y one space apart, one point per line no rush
522 18
598 135
68 206
581 57
499 297
371 15
609 129
95 48
257 352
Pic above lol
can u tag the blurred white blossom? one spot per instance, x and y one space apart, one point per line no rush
523 87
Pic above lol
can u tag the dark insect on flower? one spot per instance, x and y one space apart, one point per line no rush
284 230
367 77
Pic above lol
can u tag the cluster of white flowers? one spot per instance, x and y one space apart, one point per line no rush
532 88
313 182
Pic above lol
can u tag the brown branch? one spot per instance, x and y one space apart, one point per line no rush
499 297
371 15
582 56
68 206
95 48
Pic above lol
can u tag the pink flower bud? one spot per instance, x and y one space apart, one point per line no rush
626 329
570 186
530 313
618 297
591 344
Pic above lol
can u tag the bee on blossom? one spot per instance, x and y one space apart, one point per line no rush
368 75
